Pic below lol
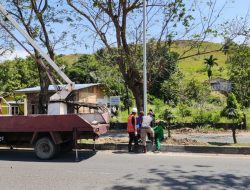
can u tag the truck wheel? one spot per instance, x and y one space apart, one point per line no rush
45 148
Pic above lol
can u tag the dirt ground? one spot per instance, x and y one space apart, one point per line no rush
184 136
173 141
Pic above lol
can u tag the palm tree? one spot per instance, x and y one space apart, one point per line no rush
210 62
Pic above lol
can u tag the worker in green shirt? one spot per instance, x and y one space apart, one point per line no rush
159 135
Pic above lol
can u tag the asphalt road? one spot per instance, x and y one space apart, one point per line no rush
20 170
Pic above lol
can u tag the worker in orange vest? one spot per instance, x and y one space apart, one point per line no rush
132 131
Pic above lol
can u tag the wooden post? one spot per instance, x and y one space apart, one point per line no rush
94 143
76 150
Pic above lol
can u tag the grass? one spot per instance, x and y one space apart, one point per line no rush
194 67
160 107
72 58
122 117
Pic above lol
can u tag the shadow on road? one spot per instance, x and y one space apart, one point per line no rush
122 152
126 152
219 143
177 178
29 156
117 187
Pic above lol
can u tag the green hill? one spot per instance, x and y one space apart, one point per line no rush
192 68
70 59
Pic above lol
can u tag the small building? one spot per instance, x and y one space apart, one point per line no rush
85 93
221 85
10 106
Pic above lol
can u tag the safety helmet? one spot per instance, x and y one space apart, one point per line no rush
134 110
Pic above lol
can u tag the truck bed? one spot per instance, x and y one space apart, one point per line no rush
97 123
51 134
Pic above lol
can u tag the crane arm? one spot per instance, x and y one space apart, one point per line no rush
32 42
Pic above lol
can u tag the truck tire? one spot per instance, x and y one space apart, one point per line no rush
45 148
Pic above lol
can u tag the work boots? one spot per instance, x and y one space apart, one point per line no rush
129 148
136 147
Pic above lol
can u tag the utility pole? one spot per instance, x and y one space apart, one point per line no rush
144 56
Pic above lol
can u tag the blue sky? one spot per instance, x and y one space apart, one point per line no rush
235 8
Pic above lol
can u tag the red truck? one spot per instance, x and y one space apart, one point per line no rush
50 134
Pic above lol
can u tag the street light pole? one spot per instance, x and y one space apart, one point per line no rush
144 57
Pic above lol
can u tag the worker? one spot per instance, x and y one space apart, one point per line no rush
138 125
132 131
152 114
159 135
146 128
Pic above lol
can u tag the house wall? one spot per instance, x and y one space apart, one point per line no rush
6 110
222 86
88 95
32 103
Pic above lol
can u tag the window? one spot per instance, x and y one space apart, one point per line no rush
33 109
14 110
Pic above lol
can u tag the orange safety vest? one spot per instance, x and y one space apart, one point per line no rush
131 127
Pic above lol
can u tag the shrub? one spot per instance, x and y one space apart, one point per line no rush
197 91
206 117
232 110
215 100
184 110
168 116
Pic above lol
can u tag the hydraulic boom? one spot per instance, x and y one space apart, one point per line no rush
57 103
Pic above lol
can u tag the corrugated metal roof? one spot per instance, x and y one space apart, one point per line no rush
51 88
14 102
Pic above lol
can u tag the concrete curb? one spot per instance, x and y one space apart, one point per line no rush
173 148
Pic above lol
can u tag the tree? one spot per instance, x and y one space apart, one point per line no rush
162 64
232 112
239 73
38 18
169 117
173 88
210 62
84 70
109 22
195 90
6 47
16 74
109 75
